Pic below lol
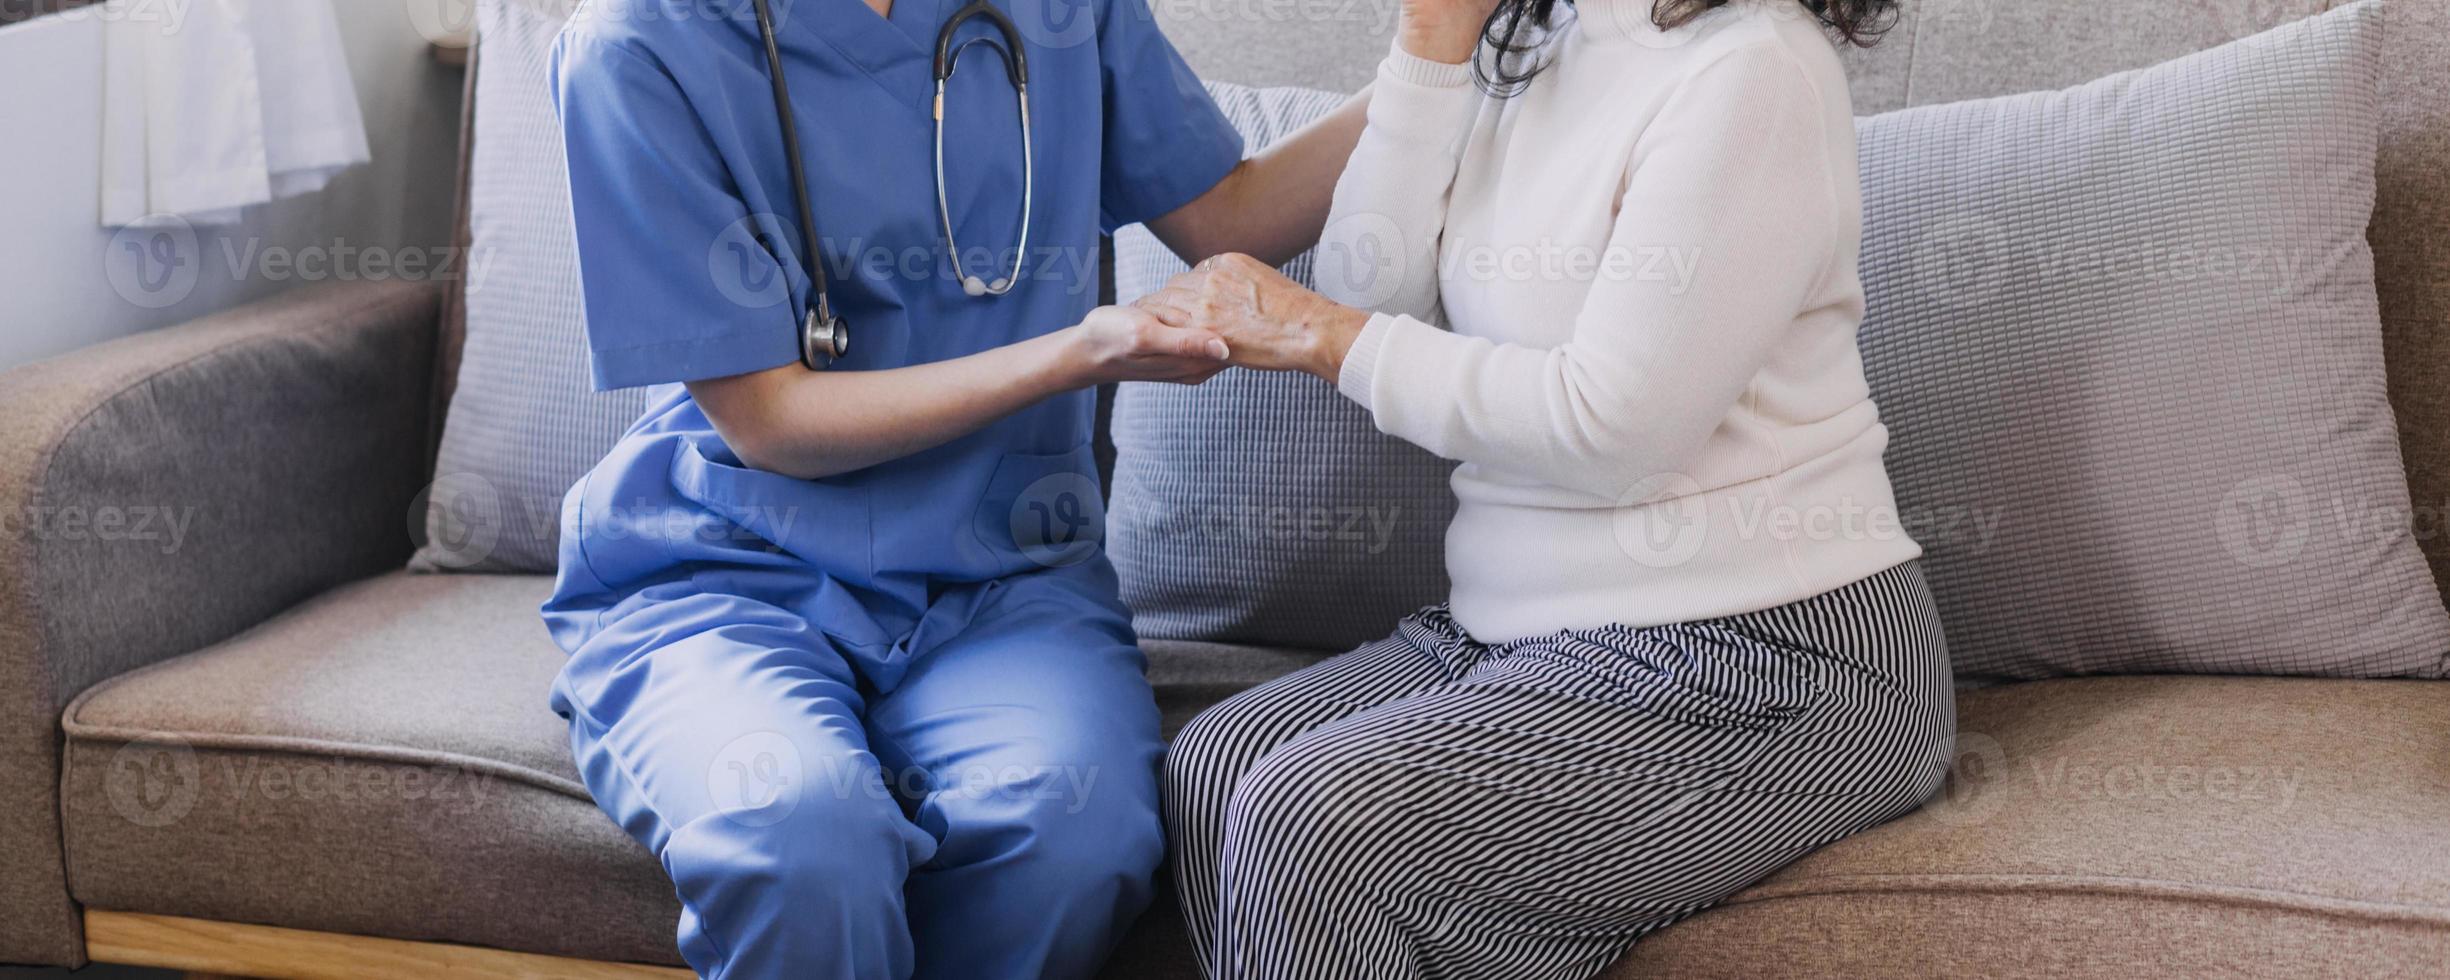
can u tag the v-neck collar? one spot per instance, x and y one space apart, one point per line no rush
894 50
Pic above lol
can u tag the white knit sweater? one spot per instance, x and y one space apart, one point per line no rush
1647 264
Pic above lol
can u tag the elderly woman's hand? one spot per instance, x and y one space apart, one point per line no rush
1270 322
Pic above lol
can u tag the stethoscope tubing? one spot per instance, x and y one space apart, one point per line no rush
1029 198
824 336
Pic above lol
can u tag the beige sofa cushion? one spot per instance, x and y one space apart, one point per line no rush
381 761
2130 827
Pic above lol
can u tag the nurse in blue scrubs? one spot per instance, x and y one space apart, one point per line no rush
844 650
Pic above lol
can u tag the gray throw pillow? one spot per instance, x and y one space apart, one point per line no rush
525 422
2126 341
1266 508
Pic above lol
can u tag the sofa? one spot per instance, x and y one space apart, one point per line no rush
240 738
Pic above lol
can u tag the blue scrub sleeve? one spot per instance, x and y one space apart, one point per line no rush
677 284
1166 141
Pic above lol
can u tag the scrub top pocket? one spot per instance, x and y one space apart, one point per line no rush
1043 510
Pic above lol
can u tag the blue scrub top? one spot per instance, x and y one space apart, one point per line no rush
686 229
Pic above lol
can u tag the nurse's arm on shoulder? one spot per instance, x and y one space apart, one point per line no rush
1274 204
814 424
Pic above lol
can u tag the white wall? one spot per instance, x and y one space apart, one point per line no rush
56 291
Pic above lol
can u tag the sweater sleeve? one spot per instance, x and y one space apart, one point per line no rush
1379 250
1728 224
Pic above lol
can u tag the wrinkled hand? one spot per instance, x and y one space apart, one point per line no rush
1270 322
1117 343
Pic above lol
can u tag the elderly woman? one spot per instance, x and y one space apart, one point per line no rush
1687 642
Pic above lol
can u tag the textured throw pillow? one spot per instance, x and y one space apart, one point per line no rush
2126 341
524 423
1266 508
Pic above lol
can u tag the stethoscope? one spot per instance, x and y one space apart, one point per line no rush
823 335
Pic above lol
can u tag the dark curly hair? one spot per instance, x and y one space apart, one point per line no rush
1514 30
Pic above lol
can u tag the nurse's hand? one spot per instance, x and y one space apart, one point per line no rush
1271 322
1118 343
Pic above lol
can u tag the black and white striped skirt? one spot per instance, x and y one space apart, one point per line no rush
1431 807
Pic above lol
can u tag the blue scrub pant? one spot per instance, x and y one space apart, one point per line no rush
988 811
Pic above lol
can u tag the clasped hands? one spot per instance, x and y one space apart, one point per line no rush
1232 310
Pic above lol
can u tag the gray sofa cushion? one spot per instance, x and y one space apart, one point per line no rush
381 761
2126 339
524 422
1266 508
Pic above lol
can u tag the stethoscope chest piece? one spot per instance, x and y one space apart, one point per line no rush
824 338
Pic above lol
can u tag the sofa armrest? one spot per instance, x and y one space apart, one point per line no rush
165 491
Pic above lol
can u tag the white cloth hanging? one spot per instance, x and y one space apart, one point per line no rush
244 102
